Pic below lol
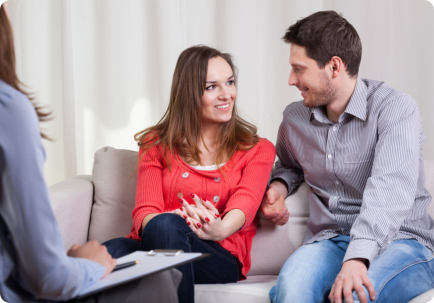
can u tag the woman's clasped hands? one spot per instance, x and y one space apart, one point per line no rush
203 218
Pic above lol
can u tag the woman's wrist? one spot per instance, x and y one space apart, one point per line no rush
224 230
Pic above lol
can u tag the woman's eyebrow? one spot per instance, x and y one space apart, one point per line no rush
216 81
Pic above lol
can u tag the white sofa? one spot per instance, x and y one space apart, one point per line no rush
99 207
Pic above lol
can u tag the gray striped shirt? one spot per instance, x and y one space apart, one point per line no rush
365 172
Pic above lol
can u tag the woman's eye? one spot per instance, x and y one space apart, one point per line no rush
211 87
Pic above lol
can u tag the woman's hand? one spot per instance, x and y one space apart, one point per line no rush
204 219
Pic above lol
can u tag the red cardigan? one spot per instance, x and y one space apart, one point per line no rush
247 176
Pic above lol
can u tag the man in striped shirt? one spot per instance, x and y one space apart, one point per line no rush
358 144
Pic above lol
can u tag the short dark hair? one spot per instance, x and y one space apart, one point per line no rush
324 35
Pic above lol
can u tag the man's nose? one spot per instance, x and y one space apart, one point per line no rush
292 80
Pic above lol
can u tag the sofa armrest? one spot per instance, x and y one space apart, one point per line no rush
72 203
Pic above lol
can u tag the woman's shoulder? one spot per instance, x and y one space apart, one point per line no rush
264 148
16 108
12 99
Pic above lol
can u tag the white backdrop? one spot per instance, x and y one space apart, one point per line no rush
105 66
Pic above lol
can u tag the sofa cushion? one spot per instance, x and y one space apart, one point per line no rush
115 189
273 244
254 289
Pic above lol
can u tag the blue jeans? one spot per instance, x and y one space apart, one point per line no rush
404 271
169 231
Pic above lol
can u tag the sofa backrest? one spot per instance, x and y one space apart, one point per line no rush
115 180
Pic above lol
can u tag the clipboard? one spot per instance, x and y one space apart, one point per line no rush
149 264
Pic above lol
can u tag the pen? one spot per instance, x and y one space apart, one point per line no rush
125 265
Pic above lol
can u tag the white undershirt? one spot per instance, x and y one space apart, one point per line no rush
207 167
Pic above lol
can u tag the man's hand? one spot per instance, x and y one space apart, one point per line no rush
93 251
273 203
353 276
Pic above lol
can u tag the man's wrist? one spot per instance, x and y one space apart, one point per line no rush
281 186
362 260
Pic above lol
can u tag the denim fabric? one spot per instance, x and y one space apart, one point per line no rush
402 272
169 231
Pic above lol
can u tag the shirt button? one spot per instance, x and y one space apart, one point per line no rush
337 182
333 197
217 179
334 128
329 156
185 175
293 181
216 199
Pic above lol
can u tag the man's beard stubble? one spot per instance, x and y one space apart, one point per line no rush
324 95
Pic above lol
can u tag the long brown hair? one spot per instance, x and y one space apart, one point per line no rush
7 64
180 129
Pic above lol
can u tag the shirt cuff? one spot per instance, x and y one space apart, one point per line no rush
362 248
292 181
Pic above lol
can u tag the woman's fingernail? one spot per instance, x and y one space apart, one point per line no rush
180 201
181 208
217 215
192 195
185 217
199 225
188 223
206 219
203 199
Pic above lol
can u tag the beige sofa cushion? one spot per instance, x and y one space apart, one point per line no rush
253 290
115 192
273 244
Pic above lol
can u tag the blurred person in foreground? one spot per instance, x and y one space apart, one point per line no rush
358 145
34 265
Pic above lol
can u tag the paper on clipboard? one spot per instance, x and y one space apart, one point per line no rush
148 265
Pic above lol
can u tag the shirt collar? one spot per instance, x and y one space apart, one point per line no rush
356 106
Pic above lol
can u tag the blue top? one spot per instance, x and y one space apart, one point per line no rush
33 262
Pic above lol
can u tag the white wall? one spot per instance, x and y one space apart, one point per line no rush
108 63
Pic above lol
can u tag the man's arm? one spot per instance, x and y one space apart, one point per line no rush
388 197
287 175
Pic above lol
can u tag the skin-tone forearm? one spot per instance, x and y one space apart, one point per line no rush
231 223
146 220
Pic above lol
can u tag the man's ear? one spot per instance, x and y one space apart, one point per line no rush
336 66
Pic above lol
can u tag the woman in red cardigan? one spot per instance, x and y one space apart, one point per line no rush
201 176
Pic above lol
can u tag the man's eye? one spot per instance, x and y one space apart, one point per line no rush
232 82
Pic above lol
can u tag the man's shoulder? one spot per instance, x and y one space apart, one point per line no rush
295 109
381 96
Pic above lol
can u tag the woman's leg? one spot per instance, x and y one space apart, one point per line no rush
120 247
169 231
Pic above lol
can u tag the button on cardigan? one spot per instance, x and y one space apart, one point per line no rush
247 174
